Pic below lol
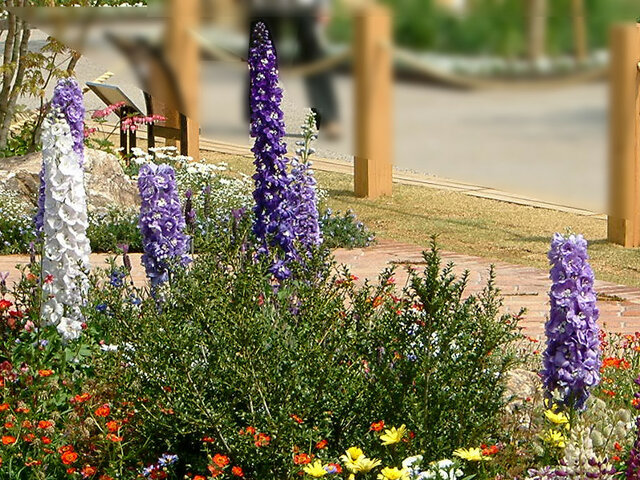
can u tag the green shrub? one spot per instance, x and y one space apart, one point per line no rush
221 349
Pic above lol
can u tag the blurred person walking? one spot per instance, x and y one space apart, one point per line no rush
307 18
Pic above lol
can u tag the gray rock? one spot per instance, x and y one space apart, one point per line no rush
106 183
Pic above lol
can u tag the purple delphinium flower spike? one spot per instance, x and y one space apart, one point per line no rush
67 97
161 223
306 225
571 362
273 216
633 467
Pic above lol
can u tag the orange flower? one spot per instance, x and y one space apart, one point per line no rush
32 463
23 410
492 450
262 440
8 440
45 373
81 398
27 424
69 457
635 402
4 407
8 425
45 440
250 430
65 448
296 418
103 411
45 424
29 437
199 477
88 471
71 470
322 444
113 426
617 446
113 437
301 459
214 471
611 393
237 471
377 426
221 460
105 477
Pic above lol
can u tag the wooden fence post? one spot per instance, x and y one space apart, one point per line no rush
624 190
537 34
183 53
373 85
579 30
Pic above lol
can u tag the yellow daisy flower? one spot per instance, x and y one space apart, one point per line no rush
555 439
557 418
471 454
393 435
351 457
316 470
365 465
389 473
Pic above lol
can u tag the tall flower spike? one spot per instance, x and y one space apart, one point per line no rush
65 258
306 224
67 98
162 223
273 214
571 362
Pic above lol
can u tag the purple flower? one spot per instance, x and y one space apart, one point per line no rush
571 362
273 211
161 223
306 223
67 96
633 466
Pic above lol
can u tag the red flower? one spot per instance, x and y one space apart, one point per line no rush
296 418
322 444
8 440
45 440
250 430
335 468
208 440
5 304
69 457
81 398
88 471
221 460
492 450
113 437
103 411
45 424
617 446
262 440
214 471
113 426
29 437
237 471
301 459
377 426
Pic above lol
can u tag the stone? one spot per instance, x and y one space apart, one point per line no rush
105 181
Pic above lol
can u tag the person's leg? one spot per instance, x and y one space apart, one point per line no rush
319 85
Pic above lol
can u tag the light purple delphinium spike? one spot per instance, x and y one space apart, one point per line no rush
572 360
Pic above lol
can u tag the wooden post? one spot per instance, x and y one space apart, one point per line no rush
537 19
624 209
579 30
373 85
183 54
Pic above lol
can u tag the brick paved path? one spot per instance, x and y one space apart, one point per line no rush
521 286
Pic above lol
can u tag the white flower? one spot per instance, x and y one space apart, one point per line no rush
66 247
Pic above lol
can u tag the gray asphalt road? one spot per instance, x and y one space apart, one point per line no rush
548 143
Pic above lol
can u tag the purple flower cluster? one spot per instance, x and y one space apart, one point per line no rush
273 217
571 362
306 223
161 223
67 96
633 468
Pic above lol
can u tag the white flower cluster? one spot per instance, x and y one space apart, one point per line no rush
65 258
441 470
